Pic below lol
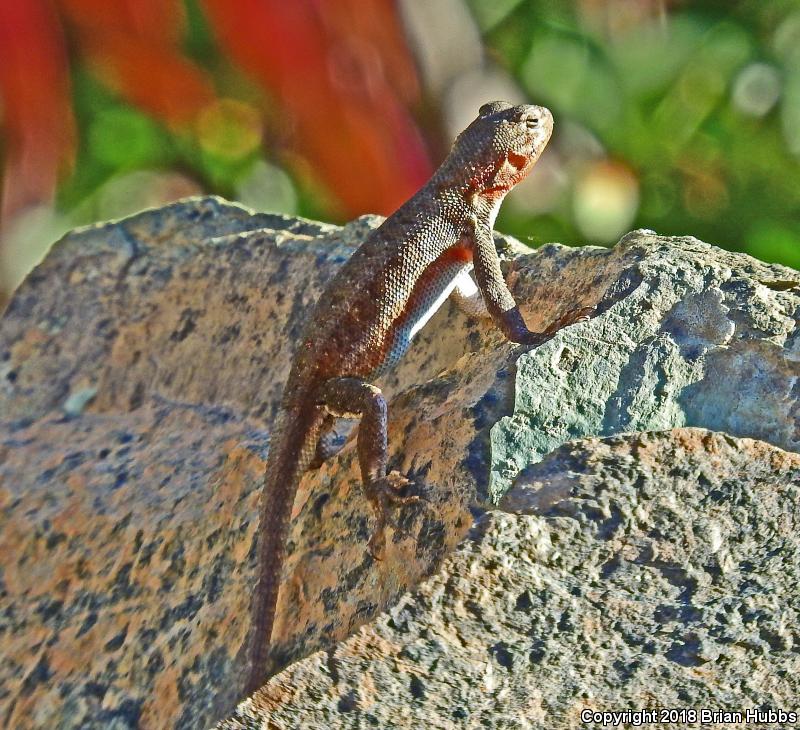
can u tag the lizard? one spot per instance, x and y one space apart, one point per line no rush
367 316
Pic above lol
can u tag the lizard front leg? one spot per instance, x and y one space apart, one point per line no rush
500 303
467 297
349 396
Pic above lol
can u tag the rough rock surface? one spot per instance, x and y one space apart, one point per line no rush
655 570
188 302
126 566
178 324
690 336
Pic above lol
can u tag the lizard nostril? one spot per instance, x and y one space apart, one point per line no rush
532 122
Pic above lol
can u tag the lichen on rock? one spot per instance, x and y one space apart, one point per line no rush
686 335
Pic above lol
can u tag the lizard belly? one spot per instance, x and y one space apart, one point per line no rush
430 293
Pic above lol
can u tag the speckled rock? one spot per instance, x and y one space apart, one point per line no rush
198 306
127 565
654 571
728 359
165 302
688 336
139 365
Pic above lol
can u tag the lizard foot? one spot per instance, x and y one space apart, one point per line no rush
386 494
574 316
389 489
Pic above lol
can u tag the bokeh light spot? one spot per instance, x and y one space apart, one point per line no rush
126 194
605 200
229 129
267 188
756 89
26 241
786 41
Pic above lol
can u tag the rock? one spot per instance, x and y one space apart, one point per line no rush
178 325
187 302
126 566
199 301
653 571
689 335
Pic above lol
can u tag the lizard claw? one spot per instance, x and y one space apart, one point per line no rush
385 494
388 490
574 316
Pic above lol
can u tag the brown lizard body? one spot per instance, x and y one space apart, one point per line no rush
367 316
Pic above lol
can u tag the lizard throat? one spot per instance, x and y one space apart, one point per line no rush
495 191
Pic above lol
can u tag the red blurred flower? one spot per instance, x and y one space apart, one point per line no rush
343 74
37 124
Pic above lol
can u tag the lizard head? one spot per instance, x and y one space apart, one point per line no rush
500 147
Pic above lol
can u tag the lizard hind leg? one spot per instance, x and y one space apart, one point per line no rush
349 396
329 444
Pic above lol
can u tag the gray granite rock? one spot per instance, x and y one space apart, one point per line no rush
126 564
178 324
651 571
689 335
188 302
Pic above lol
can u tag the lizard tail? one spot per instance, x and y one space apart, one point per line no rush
292 449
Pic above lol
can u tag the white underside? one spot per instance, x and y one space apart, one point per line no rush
425 315
454 276
428 303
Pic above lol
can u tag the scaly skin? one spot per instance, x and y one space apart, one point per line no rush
370 311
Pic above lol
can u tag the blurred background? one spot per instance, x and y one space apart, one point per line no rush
674 115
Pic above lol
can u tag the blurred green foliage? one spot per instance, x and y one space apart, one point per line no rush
702 103
699 105
116 138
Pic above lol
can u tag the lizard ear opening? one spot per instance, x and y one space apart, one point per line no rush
492 107
516 161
